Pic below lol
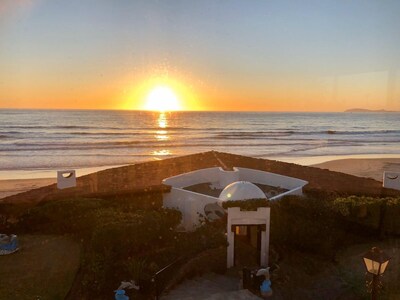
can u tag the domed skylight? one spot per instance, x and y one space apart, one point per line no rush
241 190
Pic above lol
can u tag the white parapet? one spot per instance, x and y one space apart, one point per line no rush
228 177
194 177
66 179
391 180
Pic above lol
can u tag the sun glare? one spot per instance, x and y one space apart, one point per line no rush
162 98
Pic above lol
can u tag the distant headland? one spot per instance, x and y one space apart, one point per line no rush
369 110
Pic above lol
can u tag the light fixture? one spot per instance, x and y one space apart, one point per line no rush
376 262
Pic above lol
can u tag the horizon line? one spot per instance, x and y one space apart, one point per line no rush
186 111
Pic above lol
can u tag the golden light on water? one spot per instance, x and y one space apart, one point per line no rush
162 99
162 120
162 134
163 152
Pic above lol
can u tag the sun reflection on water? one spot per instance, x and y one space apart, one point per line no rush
162 120
162 134
163 152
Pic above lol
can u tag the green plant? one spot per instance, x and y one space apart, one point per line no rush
251 204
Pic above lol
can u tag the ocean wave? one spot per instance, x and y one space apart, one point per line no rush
155 127
76 137
271 134
174 145
365 132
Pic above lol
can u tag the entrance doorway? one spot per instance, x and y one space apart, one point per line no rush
247 244
254 236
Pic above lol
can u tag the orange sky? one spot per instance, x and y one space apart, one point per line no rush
214 56
368 90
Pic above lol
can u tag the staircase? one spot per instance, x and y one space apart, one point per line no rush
211 287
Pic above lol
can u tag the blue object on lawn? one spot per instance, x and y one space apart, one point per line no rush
265 287
120 295
8 245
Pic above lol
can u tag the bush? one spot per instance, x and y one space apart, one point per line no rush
114 234
121 238
251 204
307 224
60 217
379 214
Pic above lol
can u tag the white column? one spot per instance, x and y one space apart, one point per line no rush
231 243
265 241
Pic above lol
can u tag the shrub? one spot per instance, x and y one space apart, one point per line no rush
120 238
308 224
59 217
251 204
379 214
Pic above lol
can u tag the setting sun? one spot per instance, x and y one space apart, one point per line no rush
162 98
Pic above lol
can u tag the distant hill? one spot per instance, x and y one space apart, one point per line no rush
368 110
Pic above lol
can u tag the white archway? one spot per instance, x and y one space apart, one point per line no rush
238 217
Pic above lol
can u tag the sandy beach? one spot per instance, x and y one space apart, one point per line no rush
365 167
362 167
15 186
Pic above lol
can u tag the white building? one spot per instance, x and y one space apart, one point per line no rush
191 192
200 194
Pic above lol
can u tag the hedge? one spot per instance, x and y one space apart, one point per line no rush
380 214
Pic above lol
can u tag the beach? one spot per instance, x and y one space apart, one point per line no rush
361 167
16 186
366 167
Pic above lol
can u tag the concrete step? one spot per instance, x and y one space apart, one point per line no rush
194 288
231 295
228 283
203 287
213 287
234 295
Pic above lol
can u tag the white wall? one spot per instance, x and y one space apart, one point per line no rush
391 180
295 192
191 178
262 177
228 177
68 181
189 203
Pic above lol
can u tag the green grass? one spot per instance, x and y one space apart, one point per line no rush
44 268
352 269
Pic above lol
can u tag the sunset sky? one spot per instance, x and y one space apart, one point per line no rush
213 55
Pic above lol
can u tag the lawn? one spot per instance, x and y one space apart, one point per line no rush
44 268
353 272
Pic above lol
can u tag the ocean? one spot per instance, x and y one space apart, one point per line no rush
43 140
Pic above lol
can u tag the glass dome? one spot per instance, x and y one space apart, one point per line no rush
241 190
